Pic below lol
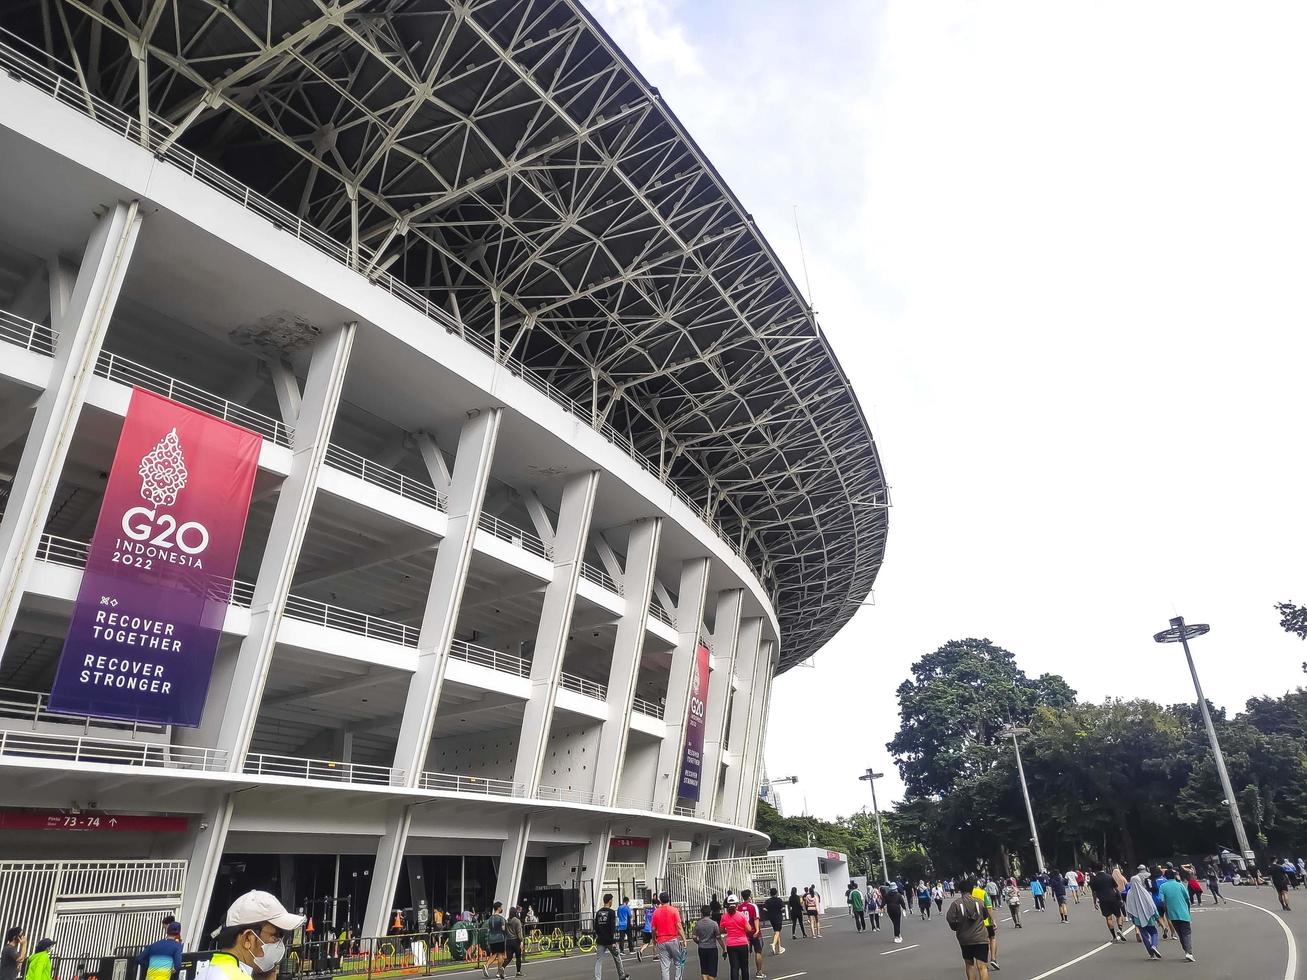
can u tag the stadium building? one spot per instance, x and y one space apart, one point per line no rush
544 470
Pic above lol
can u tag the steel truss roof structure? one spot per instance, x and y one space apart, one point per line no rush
503 158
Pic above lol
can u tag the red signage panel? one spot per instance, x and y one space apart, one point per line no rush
105 822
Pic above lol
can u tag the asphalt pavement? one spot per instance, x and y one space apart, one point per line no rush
1247 939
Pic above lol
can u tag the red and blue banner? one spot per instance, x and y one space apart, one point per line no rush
695 726
159 575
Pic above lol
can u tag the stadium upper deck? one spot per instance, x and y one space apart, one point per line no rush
507 163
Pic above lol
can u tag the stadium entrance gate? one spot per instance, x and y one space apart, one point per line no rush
91 908
693 883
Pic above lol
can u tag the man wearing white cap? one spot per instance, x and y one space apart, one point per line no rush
251 942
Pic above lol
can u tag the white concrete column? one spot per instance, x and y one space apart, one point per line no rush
751 756
512 859
467 492
290 520
689 621
594 856
555 621
725 638
209 832
80 326
746 665
574 515
655 859
623 674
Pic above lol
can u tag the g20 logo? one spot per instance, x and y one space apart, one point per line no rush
144 524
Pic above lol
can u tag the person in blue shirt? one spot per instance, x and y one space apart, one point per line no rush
1037 893
625 930
162 960
1176 895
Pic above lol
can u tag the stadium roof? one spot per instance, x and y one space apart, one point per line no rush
506 160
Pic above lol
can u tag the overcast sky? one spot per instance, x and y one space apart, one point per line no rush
1061 248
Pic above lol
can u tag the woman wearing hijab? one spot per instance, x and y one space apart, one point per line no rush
1141 908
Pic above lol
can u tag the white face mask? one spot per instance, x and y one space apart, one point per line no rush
272 955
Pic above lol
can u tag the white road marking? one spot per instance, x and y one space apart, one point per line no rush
1291 969
900 949
790 976
1082 956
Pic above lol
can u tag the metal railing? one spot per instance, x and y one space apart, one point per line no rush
582 685
63 551
448 782
68 92
83 748
115 367
636 803
27 334
67 551
599 577
259 764
660 614
514 535
509 663
566 795
339 458
34 706
648 708
361 624
683 811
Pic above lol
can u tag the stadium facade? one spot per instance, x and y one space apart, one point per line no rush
541 429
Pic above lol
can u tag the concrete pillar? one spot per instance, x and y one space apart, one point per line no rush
209 835
637 584
467 492
574 515
512 859
290 520
689 621
594 856
655 859
81 324
746 664
726 635
751 757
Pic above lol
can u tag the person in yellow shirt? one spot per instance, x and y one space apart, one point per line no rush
980 894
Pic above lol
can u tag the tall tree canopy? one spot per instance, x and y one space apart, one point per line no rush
952 709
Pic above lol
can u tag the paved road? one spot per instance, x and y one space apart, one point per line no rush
1232 942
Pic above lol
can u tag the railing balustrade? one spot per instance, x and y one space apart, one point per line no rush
582 685
648 708
34 706
27 334
514 535
84 748
509 663
339 458
455 783
599 577
262 764
361 624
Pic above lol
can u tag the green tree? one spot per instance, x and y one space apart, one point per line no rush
951 710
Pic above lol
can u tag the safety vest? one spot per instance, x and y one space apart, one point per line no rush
224 966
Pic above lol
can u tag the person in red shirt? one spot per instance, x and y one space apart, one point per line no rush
669 937
737 931
748 907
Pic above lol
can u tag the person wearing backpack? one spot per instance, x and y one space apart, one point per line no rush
966 917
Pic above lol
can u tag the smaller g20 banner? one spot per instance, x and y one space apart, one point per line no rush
159 575
692 763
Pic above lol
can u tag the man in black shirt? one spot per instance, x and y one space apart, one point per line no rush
13 953
1108 901
606 939
774 911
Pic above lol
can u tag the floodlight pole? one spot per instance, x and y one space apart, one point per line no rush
1014 731
1180 633
870 777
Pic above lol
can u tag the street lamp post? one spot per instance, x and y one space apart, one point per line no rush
1180 632
1013 731
871 777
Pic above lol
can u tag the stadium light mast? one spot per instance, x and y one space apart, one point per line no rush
870 777
1013 731
1180 632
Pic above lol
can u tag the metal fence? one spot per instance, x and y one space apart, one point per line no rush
27 334
693 883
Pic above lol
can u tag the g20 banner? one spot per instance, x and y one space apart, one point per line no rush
159 575
692 763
